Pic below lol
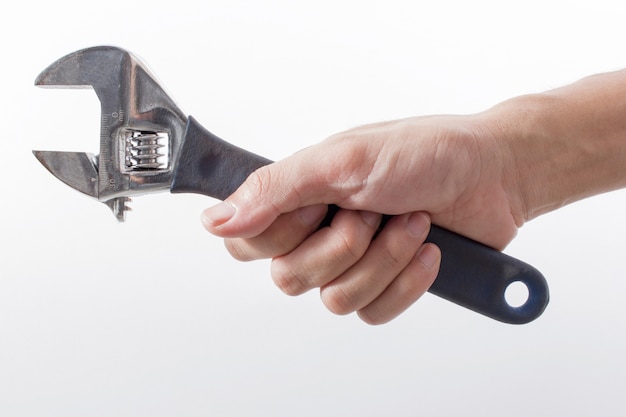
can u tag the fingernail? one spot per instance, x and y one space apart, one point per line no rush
218 214
429 256
370 218
418 224
312 214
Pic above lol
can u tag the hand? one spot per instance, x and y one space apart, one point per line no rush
481 176
447 168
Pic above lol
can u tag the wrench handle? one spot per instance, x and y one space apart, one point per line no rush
471 274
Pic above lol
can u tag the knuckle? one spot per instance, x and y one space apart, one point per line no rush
259 180
349 245
285 279
393 257
336 300
347 251
372 317
263 187
236 250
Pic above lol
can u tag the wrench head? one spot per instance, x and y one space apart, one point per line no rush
141 128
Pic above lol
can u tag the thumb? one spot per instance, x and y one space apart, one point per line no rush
270 191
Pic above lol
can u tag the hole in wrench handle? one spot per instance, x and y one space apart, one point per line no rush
471 274
476 276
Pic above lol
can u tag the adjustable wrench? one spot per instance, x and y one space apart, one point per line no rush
147 144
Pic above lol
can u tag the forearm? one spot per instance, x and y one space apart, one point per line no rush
565 144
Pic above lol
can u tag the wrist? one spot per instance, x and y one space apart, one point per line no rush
563 145
521 129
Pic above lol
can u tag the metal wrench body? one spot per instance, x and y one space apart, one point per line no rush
147 144
141 128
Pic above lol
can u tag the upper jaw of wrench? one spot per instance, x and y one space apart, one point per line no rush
141 128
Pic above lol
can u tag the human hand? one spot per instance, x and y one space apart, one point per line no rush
448 168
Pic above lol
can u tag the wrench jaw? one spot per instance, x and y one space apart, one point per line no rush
141 128
76 169
99 68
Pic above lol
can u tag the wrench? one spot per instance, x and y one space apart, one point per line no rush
147 144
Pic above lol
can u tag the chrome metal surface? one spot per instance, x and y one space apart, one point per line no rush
141 128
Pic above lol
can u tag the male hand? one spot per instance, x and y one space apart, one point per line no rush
443 168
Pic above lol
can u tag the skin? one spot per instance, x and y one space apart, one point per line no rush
480 175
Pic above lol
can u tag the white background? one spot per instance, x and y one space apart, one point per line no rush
152 317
